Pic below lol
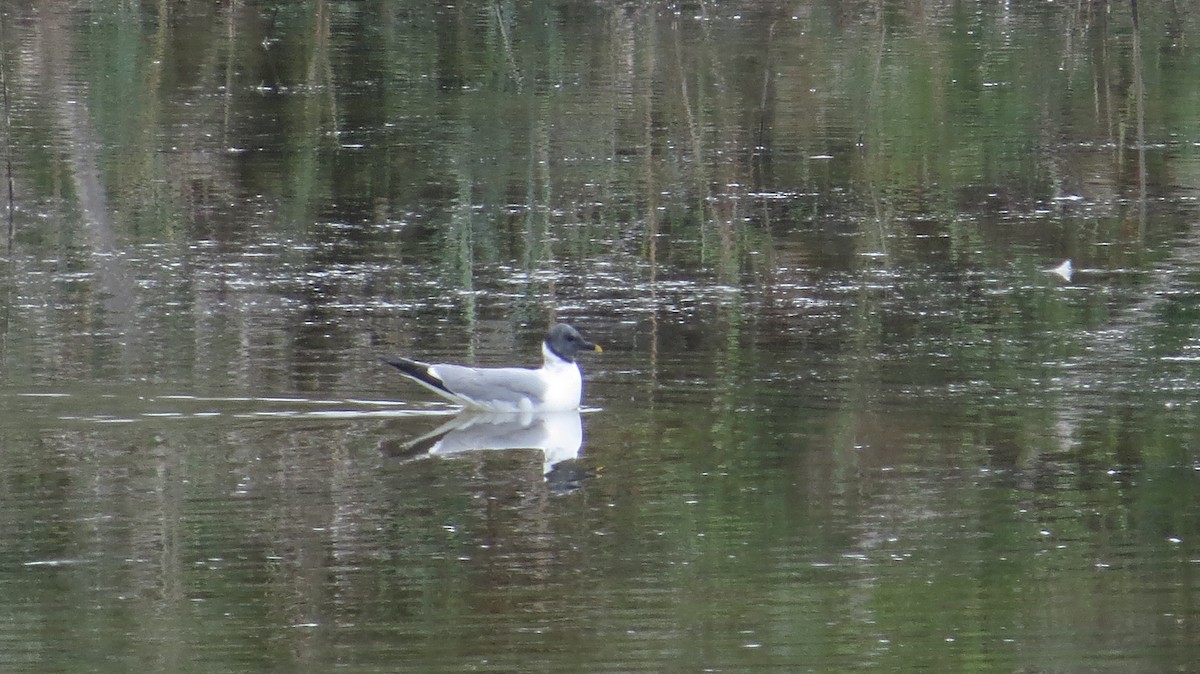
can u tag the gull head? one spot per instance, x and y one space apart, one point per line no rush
565 341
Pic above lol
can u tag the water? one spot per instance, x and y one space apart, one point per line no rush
846 417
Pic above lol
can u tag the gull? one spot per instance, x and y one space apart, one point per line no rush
554 387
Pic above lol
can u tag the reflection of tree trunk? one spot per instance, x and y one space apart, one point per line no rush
154 529
1140 113
8 167
539 243
69 94
646 81
320 68
506 43
871 170
685 99
763 153
231 14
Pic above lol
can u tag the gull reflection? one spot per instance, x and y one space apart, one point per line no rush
558 435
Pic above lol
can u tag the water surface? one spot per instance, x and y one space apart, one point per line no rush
846 417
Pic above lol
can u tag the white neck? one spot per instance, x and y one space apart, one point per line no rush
551 359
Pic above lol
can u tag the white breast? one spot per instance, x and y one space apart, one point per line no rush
564 386
564 383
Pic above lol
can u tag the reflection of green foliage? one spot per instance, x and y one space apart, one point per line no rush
543 134
536 136
949 107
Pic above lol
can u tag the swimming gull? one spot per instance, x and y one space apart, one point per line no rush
556 386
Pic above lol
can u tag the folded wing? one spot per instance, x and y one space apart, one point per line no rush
499 389
491 387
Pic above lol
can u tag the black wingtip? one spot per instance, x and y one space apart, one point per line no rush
409 367
418 371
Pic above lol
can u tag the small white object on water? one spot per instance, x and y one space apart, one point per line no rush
1064 271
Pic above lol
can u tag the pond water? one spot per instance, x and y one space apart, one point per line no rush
849 416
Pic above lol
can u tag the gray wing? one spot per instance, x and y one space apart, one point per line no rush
508 385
